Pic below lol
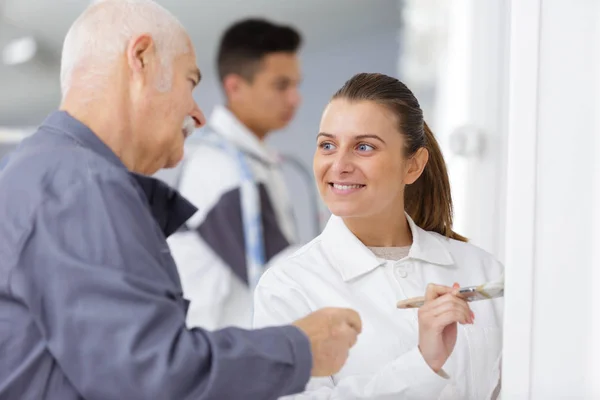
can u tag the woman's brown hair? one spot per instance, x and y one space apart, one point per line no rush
428 201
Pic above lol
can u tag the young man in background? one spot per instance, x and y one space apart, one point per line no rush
234 178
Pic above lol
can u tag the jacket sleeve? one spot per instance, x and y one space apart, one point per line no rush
279 300
101 286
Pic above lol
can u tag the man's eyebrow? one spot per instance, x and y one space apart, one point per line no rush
197 74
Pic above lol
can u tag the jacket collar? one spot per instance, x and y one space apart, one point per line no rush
63 122
168 207
226 124
353 259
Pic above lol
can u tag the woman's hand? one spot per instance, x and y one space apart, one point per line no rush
438 319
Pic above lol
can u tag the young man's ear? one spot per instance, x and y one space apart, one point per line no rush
416 164
232 85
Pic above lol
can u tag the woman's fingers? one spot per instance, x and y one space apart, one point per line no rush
450 317
434 291
452 307
445 304
450 295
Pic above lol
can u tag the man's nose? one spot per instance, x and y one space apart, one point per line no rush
198 116
294 97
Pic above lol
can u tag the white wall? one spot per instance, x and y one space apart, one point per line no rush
470 110
553 223
456 63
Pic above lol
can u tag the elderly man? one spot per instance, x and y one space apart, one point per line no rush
91 303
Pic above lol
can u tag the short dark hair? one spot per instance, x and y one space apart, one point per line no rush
246 42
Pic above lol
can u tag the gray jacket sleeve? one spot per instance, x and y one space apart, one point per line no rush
97 277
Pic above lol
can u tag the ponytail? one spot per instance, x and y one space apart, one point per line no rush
428 200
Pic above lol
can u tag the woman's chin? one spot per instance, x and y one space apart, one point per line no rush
345 211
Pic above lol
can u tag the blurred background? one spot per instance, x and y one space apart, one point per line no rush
510 87
434 46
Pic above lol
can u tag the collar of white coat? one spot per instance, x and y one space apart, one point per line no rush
352 258
226 124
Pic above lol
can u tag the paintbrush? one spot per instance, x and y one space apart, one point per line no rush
485 291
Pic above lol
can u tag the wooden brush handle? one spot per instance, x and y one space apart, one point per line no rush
413 302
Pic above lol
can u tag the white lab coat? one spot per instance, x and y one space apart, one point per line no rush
337 270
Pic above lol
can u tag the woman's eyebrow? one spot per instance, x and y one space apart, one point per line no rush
357 137
329 135
370 136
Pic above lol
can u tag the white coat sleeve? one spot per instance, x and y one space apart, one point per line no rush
278 299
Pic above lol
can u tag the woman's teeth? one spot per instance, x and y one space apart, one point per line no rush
346 187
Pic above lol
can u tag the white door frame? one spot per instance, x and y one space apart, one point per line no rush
521 196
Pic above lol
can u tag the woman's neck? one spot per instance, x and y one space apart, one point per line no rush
386 230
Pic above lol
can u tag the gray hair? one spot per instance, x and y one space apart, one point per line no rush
101 34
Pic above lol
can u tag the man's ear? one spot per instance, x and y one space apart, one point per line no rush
416 164
233 85
140 54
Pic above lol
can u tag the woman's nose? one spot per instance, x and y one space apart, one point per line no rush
343 163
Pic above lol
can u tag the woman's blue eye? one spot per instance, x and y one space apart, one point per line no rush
327 146
365 147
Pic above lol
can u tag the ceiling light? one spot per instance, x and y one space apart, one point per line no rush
19 51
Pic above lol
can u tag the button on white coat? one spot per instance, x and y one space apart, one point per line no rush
401 273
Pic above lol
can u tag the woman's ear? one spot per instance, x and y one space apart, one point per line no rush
415 166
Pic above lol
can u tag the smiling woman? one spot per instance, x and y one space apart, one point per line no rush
375 121
381 173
